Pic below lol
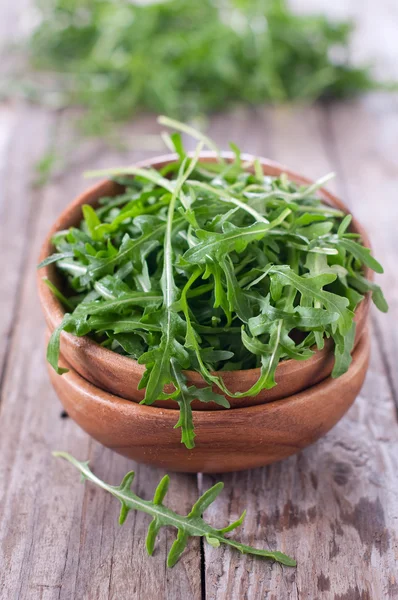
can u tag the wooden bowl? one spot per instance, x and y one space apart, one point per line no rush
120 375
235 439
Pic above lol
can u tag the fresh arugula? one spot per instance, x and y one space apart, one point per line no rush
210 267
208 55
192 525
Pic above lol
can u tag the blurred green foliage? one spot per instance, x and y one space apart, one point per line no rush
184 58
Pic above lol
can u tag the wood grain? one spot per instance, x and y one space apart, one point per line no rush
364 145
19 202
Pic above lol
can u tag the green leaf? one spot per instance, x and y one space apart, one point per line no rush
311 288
56 257
184 396
343 348
147 174
361 253
184 399
304 317
345 223
214 244
177 548
207 395
92 221
53 347
203 139
188 526
238 301
159 361
132 299
226 196
58 294
364 285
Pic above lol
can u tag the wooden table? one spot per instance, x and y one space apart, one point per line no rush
334 506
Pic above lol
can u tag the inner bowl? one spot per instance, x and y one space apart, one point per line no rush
120 375
233 440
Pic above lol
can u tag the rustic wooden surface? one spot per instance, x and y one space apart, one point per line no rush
334 506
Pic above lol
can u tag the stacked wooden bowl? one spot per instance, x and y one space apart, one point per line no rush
100 390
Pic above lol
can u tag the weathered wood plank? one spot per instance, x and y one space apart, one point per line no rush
61 539
18 201
333 506
365 146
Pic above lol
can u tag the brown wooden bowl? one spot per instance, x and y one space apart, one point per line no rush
231 440
120 375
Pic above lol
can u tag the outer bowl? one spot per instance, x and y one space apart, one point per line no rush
120 375
230 440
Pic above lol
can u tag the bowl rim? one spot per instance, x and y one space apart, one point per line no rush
74 380
54 310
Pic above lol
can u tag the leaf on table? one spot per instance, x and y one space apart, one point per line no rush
192 525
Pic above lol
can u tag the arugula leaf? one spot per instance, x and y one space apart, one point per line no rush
343 349
127 251
226 196
116 305
191 131
92 221
184 396
238 301
53 347
364 285
58 294
218 244
311 288
303 317
160 361
53 258
361 253
192 525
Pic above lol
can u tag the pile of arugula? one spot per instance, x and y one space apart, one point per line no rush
185 58
211 267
